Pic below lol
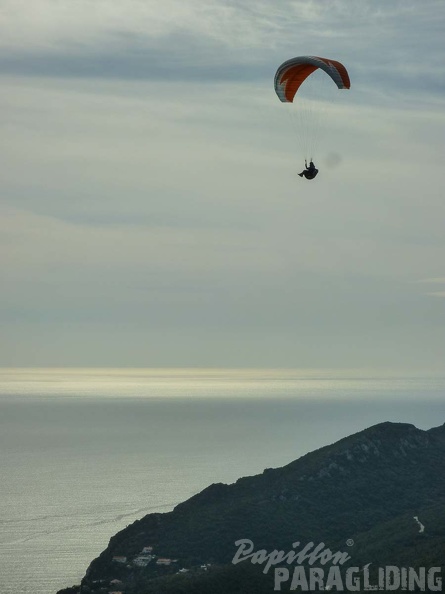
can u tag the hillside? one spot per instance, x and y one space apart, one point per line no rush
358 496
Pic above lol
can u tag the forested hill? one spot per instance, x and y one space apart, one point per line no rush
359 496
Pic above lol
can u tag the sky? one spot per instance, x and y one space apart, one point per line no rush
150 209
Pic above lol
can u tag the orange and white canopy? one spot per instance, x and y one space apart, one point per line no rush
292 73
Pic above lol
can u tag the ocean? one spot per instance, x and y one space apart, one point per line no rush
85 452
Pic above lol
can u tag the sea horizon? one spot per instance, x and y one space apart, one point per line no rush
129 381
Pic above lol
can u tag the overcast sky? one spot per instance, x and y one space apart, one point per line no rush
151 214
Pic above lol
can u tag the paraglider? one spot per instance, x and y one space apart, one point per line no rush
289 77
310 172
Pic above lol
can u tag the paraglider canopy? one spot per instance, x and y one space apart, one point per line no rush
292 73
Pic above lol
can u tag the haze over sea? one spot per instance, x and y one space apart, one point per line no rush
85 452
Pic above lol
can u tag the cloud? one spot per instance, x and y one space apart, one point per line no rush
149 187
439 280
221 41
434 281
